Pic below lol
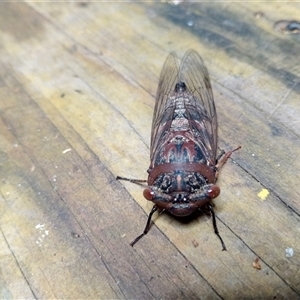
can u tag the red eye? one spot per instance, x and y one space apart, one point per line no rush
213 192
148 194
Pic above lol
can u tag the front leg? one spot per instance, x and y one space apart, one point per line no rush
221 162
136 181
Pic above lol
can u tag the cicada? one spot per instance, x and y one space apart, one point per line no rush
184 165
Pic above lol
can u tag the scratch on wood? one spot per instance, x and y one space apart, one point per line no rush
283 99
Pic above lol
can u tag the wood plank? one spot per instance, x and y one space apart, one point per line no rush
78 82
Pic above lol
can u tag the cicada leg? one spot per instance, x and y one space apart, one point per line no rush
147 228
136 181
221 162
148 225
215 226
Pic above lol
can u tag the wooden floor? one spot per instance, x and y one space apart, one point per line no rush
77 88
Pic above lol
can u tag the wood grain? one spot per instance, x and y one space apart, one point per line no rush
77 88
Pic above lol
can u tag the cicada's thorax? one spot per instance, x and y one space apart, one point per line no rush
180 176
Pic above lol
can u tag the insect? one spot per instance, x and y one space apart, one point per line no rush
184 165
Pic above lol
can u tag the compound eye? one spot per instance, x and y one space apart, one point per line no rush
148 194
213 192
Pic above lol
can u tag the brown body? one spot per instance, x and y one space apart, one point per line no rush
182 171
183 163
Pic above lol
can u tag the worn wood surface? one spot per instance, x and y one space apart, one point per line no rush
78 82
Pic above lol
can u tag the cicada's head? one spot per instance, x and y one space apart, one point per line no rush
182 203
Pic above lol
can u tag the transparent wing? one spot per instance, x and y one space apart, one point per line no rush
194 74
200 107
167 81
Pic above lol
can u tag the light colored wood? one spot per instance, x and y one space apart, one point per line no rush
77 89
